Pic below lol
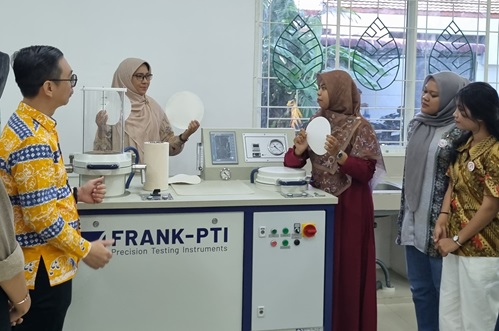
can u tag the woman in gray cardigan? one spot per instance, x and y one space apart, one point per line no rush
14 295
431 134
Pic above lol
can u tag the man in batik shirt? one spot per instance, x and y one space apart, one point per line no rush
32 169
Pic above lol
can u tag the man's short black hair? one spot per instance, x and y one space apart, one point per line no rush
33 66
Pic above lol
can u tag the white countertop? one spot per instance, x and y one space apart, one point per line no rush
232 193
209 194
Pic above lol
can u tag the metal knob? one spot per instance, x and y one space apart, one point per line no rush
70 167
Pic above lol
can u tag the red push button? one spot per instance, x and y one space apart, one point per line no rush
309 230
273 243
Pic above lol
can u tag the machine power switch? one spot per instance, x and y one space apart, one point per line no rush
309 230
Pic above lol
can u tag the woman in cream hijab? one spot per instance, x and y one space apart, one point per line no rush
147 120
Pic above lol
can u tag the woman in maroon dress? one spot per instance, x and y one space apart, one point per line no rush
348 170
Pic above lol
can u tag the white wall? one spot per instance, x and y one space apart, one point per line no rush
206 47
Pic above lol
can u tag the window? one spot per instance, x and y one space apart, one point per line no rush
388 46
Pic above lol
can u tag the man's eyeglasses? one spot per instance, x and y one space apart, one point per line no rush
73 79
141 77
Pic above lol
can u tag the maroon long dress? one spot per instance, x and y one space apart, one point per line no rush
354 280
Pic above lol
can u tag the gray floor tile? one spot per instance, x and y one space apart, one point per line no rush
395 306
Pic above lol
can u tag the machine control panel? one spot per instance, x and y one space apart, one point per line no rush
288 244
232 154
264 147
283 237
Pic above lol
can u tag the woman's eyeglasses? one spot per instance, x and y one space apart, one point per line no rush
73 79
141 77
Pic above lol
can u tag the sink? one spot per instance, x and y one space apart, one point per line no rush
385 186
386 198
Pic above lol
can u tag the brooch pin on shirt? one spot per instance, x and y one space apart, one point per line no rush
443 143
471 166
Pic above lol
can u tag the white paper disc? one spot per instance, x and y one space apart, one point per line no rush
317 130
112 105
184 107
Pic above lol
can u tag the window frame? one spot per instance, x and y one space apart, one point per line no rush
412 26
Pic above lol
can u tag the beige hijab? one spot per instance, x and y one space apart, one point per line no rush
146 116
354 133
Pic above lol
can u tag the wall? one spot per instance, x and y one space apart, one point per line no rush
206 47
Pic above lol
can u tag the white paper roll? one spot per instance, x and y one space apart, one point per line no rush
156 159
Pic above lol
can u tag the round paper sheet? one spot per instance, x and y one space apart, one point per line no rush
184 107
113 110
317 130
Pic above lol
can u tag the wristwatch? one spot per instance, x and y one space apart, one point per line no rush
456 240
339 155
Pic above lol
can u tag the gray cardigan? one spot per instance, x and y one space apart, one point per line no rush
11 255
440 183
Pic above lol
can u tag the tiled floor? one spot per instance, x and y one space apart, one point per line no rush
395 307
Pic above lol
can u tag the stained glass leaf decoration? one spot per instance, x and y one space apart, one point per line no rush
452 52
297 56
376 57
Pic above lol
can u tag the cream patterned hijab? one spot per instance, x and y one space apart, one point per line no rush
144 121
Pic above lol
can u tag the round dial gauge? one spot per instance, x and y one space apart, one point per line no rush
276 147
225 174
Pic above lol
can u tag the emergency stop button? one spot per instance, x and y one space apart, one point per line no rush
309 230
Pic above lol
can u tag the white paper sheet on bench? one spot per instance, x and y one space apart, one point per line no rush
214 188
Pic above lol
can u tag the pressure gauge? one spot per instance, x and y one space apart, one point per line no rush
276 147
225 174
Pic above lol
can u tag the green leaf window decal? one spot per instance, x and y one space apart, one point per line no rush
297 56
452 52
376 57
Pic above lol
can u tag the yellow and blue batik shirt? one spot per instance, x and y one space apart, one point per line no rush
475 174
45 214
